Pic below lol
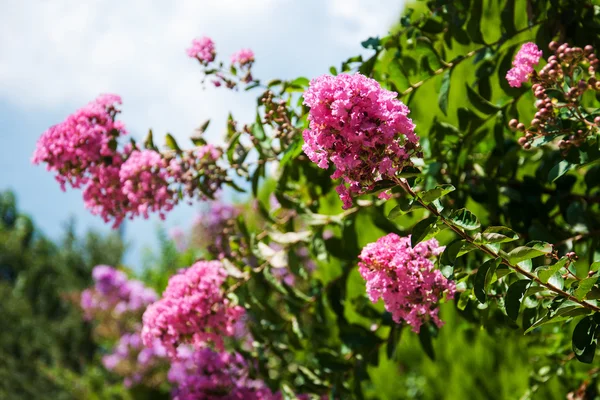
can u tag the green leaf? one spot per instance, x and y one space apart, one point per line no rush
595 266
260 171
235 139
409 172
202 128
429 196
425 338
463 218
421 229
514 295
559 170
547 272
371 43
508 17
480 103
172 143
404 206
474 23
483 278
301 81
566 311
498 234
258 131
451 251
293 150
584 340
529 251
149 142
584 287
444 92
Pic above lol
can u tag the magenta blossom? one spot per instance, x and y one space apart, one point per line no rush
132 360
209 375
405 278
360 128
203 49
113 293
242 57
193 309
145 181
82 141
528 56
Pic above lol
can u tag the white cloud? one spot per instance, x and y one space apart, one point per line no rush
356 20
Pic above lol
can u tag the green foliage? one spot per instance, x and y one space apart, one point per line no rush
43 333
511 231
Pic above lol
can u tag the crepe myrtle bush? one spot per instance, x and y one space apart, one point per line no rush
406 173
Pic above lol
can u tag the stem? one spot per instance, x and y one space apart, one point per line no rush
406 187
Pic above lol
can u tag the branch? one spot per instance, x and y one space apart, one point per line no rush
405 186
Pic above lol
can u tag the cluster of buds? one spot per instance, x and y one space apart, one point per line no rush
559 86
197 172
277 115
239 71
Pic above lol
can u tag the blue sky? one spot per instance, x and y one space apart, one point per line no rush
55 56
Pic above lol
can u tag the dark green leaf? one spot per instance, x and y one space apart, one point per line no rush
421 229
429 196
451 252
508 17
483 278
480 103
474 23
547 272
584 340
529 251
463 218
559 170
425 338
404 206
585 285
444 92
498 234
371 43
513 298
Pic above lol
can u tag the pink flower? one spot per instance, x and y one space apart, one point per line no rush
528 56
79 143
360 128
113 293
206 374
405 278
242 57
203 49
145 181
193 309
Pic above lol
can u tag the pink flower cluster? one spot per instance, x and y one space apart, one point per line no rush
208 375
405 278
133 361
145 181
118 184
193 309
242 57
202 49
360 128
76 146
114 293
528 56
